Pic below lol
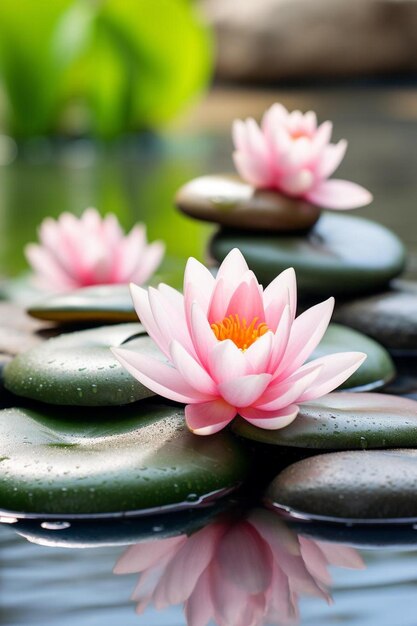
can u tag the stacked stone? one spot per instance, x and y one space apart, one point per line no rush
359 262
81 440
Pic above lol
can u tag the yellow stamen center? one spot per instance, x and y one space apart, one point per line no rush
236 329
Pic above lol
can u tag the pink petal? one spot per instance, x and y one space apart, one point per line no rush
169 318
245 390
282 608
298 183
341 556
200 280
143 309
258 355
226 361
282 291
322 137
299 156
207 418
199 607
331 158
288 391
239 136
141 556
191 371
229 601
148 582
310 122
50 273
245 559
233 268
251 170
112 231
274 117
286 551
184 570
336 368
218 302
339 195
160 377
270 420
202 335
315 561
149 262
280 340
306 333
247 302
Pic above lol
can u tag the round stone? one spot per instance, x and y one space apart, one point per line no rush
79 368
389 317
98 304
375 372
103 461
115 529
344 421
366 485
342 255
229 201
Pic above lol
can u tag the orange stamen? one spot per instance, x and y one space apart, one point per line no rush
297 134
238 331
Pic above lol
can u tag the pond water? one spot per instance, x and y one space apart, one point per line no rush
52 584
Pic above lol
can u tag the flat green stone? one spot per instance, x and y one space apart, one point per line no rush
366 485
55 461
344 421
376 371
98 304
341 255
79 369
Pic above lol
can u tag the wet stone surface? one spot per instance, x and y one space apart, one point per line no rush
371 484
228 201
55 461
389 317
344 421
79 369
98 304
376 371
342 255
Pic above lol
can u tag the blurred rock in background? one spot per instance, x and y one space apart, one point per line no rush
272 40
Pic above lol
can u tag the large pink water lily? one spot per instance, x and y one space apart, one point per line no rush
290 153
228 347
248 572
91 250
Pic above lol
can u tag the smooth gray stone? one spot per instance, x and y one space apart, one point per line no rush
342 255
229 201
389 317
98 304
371 484
344 421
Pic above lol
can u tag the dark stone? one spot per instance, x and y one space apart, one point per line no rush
366 485
342 255
229 201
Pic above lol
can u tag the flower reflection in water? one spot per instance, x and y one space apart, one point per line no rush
244 572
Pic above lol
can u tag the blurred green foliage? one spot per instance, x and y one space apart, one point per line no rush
101 67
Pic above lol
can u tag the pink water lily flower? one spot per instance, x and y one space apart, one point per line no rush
228 347
91 250
293 155
247 572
